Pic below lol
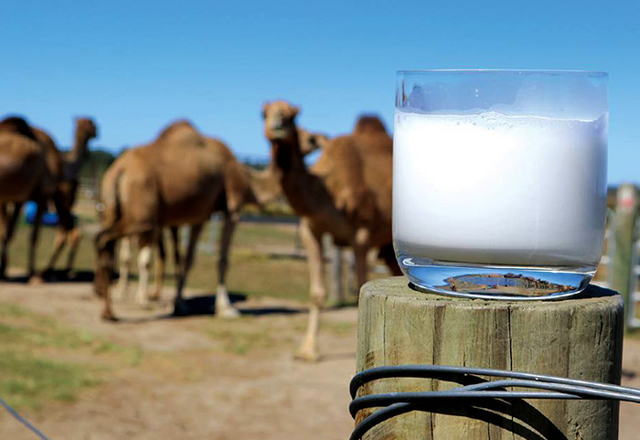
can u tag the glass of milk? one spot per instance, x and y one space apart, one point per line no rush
499 181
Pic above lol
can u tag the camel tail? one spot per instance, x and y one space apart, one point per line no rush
110 211
110 206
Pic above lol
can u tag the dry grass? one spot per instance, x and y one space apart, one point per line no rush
35 365
262 261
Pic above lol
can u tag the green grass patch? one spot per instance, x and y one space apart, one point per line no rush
250 272
256 275
28 381
32 371
260 265
20 327
250 235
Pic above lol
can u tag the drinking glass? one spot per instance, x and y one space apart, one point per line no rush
499 181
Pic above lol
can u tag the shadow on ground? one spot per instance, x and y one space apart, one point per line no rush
56 276
206 305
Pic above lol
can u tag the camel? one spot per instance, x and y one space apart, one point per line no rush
31 168
181 178
68 232
309 142
346 193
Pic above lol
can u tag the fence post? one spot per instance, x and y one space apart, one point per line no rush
335 256
577 338
624 236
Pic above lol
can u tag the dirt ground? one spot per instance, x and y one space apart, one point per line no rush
187 386
197 379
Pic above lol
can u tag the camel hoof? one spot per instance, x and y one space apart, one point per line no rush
108 316
228 313
307 355
35 280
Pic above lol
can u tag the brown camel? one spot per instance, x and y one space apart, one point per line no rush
179 179
31 168
270 189
68 232
347 193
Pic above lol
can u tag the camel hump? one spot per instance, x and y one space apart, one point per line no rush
369 124
43 137
180 131
175 127
341 166
17 124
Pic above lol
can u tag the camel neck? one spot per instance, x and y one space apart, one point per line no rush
297 183
287 156
77 155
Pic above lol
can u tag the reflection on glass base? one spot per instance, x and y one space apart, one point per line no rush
496 282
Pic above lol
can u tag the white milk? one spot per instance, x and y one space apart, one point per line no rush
496 189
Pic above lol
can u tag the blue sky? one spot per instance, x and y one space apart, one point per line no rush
136 65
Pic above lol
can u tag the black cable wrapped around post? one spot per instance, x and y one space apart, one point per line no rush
579 338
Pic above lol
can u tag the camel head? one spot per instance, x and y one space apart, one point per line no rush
85 131
280 120
310 142
87 126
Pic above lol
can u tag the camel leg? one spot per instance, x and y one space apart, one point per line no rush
33 242
389 257
194 233
312 242
224 309
73 239
177 261
125 265
8 224
58 244
144 264
105 247
159 270
4 223
65 225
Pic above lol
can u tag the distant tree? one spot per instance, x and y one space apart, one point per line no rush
96 164
255 162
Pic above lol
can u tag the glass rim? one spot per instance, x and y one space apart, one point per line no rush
598 73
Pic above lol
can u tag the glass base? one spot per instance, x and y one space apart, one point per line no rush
496 282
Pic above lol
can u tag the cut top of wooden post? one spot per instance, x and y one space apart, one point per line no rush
399 288
579 338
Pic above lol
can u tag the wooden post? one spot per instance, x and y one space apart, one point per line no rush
624 236
336 296
576 338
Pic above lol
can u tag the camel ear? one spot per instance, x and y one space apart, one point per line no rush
265 107
295 111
